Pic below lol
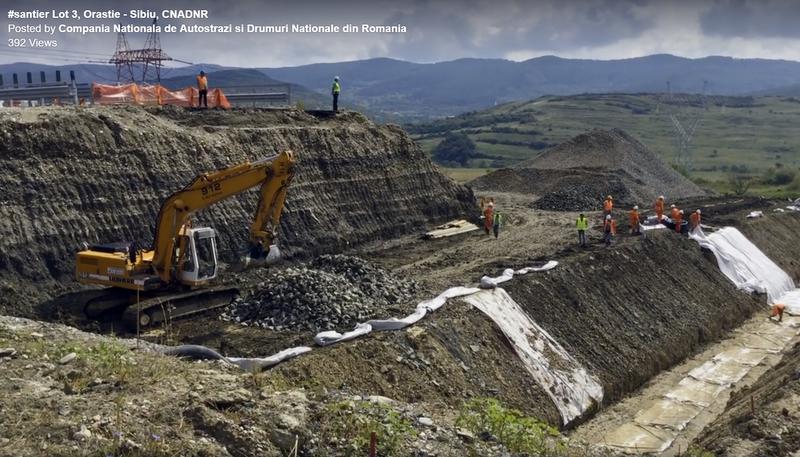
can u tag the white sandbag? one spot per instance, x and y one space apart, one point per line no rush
397 324
548 266
260 363
755 214
744 264
572 389
332 336
439 301
792 302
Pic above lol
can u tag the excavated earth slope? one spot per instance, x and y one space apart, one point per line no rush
578 173
99 175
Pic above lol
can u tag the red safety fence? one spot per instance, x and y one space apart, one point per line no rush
104 94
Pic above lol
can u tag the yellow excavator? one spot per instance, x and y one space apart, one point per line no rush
172 279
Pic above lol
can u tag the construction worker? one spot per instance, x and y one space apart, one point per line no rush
335 89
488 217
679 221
609 229
673 212
202 89
777 310
659 207
498 221
634 220
582 224
694 220
608 205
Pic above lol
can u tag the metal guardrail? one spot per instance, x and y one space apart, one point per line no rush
66 92
257 95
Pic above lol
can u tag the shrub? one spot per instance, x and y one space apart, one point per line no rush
455 148
347 426
517 432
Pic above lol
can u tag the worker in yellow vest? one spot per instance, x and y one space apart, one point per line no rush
335 89
202 89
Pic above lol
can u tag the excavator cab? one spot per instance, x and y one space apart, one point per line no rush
200 259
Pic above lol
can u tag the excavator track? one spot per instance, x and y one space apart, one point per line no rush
155 310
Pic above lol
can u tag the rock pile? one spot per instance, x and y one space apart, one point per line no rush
574 195
334 292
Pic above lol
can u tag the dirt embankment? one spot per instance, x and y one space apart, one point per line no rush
630 312
577 174
99 175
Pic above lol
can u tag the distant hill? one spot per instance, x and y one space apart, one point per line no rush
88 73
399 91
424 90
735 134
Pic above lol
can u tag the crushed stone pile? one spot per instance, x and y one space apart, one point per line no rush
333 292
577 174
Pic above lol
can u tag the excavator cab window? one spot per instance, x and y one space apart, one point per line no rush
206 256
200 259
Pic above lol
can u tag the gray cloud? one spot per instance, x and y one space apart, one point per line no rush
450 29
749 18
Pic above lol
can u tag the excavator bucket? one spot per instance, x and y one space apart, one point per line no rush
252 259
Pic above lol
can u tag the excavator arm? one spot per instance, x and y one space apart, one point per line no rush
272 173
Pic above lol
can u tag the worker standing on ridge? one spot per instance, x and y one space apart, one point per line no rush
498 221
488 217
694 220
659 207
679 221
673 212
335 89
634 220
202 90
777 310
582 224
608 205
609 229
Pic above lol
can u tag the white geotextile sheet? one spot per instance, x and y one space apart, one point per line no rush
572 389
792 302
490 283
744 264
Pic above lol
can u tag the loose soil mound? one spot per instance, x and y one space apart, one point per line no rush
578 174
99 175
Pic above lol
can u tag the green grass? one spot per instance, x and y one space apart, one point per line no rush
756 133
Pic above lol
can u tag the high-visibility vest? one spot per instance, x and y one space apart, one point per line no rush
498 218
336 88
608 205
202 83
634 217
582 224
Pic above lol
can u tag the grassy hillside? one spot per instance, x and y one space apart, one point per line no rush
736 135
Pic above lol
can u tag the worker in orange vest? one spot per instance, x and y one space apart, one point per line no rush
488 217
608 205
777 310
635 221
202 89
659 207
678 221
673 212
694 220
609 229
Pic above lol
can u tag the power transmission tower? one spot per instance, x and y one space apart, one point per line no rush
685 111
151 57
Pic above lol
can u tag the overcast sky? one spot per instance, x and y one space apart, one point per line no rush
445 30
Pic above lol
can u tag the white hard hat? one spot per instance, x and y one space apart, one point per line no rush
608 216
671 206
660 197
335 78
681 211
698 211
491 203
636 207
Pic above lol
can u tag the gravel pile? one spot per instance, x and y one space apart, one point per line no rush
332 293
583 196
